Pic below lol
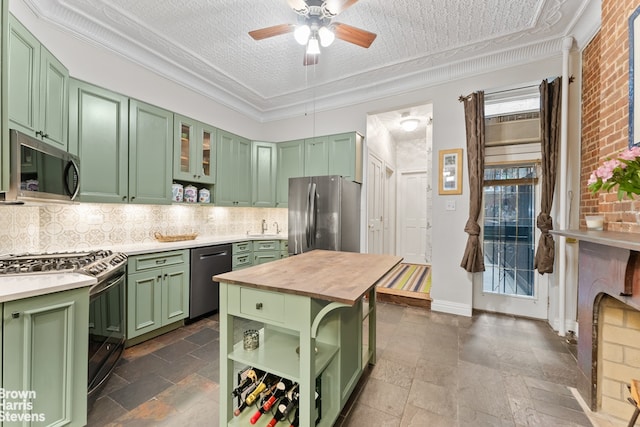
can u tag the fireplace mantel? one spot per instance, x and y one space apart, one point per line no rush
608 265
617 239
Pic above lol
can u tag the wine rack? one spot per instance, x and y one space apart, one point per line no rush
274 400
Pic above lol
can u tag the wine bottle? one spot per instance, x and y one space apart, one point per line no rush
250 377
280 390
251 397
286 405
296 419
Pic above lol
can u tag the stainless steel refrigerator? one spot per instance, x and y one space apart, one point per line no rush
324 213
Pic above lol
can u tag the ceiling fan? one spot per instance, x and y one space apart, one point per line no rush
315 29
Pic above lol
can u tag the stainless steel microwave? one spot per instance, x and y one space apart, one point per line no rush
39 171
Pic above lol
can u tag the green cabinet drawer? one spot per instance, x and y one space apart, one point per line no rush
242 247
263 304
156 260
262 257
266 245
241 261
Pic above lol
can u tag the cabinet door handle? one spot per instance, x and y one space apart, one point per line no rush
159 277
15 314
161 261
258 306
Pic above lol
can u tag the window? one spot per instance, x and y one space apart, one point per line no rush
510 207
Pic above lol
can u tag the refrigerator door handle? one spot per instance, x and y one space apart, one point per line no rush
313 220
307 218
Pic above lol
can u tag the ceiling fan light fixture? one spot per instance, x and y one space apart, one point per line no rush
302 33
409 125
326 36
313 47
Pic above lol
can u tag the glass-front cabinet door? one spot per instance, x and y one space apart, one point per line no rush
185 150
193 148
206 159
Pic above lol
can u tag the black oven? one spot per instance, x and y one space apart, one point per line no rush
107 312
107 326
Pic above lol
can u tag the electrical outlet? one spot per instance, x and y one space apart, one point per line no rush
451 205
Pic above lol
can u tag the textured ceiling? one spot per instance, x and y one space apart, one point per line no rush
204 45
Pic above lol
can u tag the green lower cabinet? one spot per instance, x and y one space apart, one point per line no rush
157 291
242 255
45 347
265 251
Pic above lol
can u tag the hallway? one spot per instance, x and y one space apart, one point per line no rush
433 369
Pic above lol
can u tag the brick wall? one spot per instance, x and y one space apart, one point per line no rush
619 356
605 112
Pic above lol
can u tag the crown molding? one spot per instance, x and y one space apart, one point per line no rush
140 47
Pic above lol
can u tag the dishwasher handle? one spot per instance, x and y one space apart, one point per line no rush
214 254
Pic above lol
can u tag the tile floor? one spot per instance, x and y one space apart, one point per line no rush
433 370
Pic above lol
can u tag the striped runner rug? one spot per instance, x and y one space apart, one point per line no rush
408 277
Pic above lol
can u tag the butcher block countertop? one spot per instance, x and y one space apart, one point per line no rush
327 275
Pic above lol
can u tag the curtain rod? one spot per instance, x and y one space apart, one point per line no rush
462 97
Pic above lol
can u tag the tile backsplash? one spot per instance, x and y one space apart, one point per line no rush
57 227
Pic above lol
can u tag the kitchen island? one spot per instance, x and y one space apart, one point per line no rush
315 314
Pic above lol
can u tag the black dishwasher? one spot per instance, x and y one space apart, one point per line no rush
206 262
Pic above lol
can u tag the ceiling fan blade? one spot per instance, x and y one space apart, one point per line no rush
310 59
276 30
338 6
353 35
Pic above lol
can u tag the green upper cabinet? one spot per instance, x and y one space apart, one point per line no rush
194 151
233 175
290 165
150 153
98 134
316 156
45 346
264 161
4 128
38 88
345 155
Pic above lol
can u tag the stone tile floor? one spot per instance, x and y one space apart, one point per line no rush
433 369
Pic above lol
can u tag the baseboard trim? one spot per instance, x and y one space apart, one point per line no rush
451 308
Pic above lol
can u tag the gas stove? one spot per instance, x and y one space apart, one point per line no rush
97 263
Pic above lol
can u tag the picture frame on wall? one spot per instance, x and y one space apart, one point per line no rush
634 64
450 171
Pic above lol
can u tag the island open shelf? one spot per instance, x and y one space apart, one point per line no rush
322 300
277 354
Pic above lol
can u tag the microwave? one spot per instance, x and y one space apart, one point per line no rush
40 172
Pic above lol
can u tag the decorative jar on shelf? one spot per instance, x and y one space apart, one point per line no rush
190 194
177 192
204 196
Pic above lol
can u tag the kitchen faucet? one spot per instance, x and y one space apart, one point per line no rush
277 227
264 225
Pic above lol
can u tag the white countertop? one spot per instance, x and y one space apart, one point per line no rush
200 241
30 285
14 287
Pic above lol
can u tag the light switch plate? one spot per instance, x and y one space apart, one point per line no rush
451 205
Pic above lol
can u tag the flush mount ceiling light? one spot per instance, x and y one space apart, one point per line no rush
315 27
408 123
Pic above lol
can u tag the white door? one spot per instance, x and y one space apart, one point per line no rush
375 205
412 216
509 283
